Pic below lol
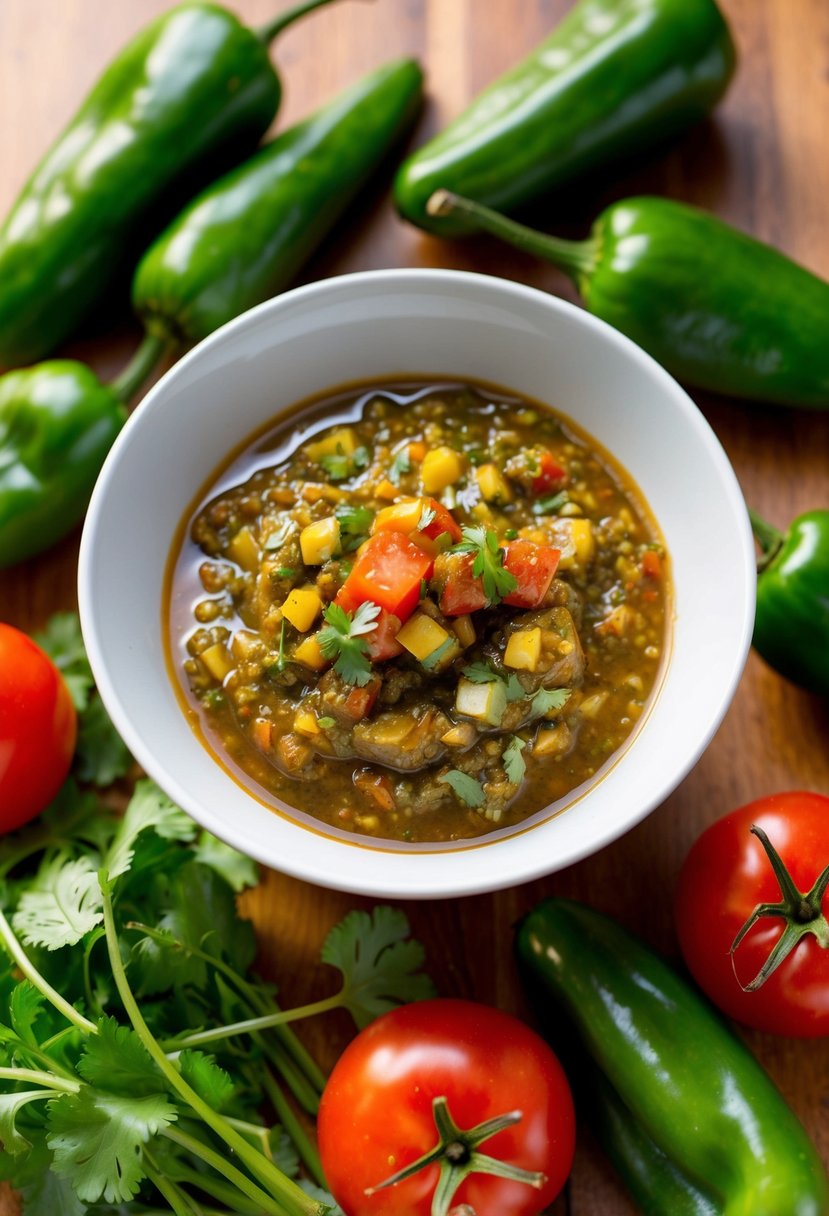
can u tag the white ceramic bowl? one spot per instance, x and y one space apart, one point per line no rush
417 322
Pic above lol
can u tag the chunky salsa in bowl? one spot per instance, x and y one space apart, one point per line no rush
418 612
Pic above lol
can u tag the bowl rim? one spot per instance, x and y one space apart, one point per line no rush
385 879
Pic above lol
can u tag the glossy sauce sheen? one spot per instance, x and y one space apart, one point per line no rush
611 580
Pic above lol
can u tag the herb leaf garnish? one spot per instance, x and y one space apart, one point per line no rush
342 636
401 464
548 698
514 764
467 788
551 504
489 562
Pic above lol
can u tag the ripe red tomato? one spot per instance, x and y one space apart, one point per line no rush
376 1115
725 876
38 726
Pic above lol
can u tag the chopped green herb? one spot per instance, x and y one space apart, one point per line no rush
326 723
337 465
489 562
481 673
477 456
467 788
515 689
278 538
514 764
427 516
511 534
354 521
424 588
401 464
551 504
361 458
547 699
435 657
342 636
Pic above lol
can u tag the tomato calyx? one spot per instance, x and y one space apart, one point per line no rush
457 1155
802 912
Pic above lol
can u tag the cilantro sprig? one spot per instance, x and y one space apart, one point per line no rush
467 788
401 465
514 764
488 565
342 639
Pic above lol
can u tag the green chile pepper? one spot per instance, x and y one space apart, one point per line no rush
715 307
693 1124
615 78
57 423
193 89
791 625
245 237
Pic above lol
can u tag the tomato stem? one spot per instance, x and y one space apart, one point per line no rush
456 1153
801 911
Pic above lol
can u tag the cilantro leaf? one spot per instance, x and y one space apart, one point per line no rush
515 689
427 516
481 673
60 905
354 520
342 635
337 465
237 870
326 723
11 1105
148 808
547 699
63 642
380 963
551 504
317 1192
42 1191
431 661
467 788
101 755
116 1061
209 1080
96 1140
25 1006
401 464
488 564
514 763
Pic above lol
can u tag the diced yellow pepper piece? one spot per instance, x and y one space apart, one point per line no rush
581 531
305 723
441 468
244 550
320 541
523 650
464 630
402 517
302 607
218 660
387 489
485 702
309 653
422 636
492 484
343 441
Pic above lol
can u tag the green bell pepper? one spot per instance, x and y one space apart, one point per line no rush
57 423
791 625
715 307
615 78
691 1121
246 236
193 91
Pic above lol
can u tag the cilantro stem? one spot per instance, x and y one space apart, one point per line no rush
38 1053
252 1025
306 1095
35 1077
18 955
179 1200
294 1199
217 1162
217 1189
296 1132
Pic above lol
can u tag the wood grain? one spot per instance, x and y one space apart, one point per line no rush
762 164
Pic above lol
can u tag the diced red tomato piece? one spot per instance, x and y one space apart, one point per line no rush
651 564
444 521
360 701
551 476
460 591
382 641
533 567
388 571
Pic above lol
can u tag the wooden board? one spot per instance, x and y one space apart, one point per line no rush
761 163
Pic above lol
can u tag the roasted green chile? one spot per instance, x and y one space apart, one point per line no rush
691 1121
791 625
57 423
715 307
193 90
615 78
245 237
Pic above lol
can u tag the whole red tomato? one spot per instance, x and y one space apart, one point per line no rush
378 1113
726 875
38 726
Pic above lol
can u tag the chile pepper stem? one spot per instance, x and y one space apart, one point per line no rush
575 258
266 33
140 367
768 538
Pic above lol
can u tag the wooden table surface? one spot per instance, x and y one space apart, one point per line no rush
760 163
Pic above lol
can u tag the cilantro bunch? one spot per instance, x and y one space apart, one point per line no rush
138 1050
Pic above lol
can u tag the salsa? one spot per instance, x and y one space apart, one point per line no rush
418 612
